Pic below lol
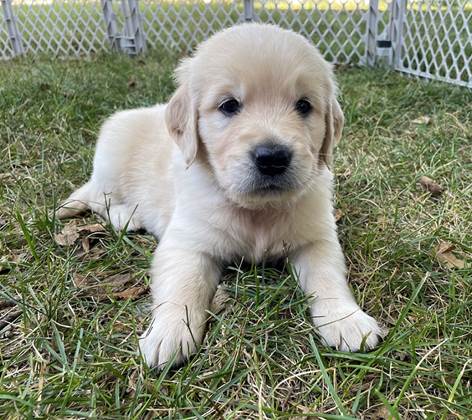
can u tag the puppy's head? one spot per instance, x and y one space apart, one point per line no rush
258 103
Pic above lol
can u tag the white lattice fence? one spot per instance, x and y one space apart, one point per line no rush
63 28
437 40
181 25
337 28
430 38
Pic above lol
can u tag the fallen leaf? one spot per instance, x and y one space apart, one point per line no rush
423 120
338 214
429 185
79 280
221 298
380 413
66 239
93 228
131 82
73 230
445 255
132 292
6 304
9 317
91 254
120 286
85 245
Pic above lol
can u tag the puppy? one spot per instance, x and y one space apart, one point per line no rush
235 165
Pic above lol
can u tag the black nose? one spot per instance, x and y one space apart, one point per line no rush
272 159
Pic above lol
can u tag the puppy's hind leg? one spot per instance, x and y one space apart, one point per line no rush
89 197
78 202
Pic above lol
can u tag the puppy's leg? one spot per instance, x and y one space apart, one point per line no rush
77 203
183 285
340 321
90 197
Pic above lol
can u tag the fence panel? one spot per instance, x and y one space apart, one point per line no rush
179 25
63 28
6 50
437 40
337 27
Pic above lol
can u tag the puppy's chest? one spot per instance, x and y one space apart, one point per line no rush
262 235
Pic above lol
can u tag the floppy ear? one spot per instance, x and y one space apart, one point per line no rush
334 122
182 123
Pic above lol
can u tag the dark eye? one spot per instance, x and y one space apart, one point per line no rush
303 107
230 107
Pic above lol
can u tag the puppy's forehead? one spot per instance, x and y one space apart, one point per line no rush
258 57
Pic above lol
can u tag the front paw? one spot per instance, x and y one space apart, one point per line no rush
173 335
347 329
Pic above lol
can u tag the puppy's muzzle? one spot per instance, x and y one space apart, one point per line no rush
271 159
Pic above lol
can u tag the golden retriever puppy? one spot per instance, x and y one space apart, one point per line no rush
235 165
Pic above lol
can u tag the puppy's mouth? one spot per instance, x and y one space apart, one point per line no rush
270 188
263 186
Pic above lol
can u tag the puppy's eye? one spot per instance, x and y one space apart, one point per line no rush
230 107
303 107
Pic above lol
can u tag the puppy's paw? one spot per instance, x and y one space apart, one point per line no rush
348 329
173 336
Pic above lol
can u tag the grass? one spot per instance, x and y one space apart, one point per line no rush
64 353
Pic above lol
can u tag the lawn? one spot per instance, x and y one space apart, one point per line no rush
70 315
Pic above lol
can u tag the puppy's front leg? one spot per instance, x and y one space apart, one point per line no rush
340 321
183 285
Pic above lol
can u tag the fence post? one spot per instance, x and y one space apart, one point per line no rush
134 41
13 32
372 28
110 21
396 30
248 10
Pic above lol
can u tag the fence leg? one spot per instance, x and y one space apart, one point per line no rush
248 10
13 32
372 28
110 22
396 31
134 41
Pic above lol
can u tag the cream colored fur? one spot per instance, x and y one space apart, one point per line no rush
183 172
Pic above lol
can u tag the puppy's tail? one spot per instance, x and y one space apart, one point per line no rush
79 202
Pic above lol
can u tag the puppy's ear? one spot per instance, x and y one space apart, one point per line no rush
182 123
334 122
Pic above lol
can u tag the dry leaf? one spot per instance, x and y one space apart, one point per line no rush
80 281
91 254
85 244
120 286
131 82
66 239
445 256
73 230
338 214
131 293
429 185
219 301
9 317
93 228
380 413
423 120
